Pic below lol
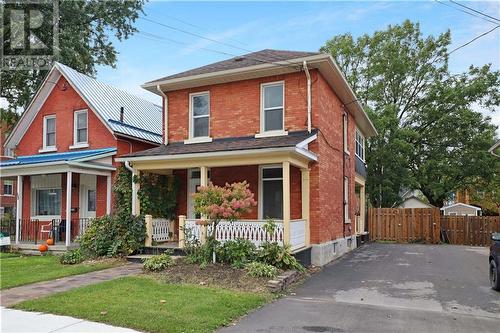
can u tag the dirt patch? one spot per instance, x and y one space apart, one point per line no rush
213 275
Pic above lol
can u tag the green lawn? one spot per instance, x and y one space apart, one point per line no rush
5 255
18 270
135 302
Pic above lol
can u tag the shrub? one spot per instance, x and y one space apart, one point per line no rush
113 235
196 253
259 269
278 256
72 257
237 253
158 263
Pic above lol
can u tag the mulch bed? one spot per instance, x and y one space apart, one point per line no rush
213 275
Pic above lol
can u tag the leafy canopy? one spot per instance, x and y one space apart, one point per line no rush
430 135
85 27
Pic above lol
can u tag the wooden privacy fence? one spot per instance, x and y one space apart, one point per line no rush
407 225
469 230
404 225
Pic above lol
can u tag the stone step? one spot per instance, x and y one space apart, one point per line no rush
139 258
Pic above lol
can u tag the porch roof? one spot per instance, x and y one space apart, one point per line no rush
60 162
293 139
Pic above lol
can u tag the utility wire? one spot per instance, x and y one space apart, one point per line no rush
474 39
217 41
476 11
466 12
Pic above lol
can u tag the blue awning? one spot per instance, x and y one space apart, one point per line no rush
56 157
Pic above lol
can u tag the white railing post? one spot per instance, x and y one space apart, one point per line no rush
149 230
182 222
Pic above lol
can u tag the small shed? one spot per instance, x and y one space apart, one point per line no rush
414 202
461 209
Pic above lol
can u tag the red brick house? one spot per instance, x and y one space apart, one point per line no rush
65 145
286 122
8 186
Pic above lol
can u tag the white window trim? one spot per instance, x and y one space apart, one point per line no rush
260 200
77 144
263 132
34 203
356 133
192 138
45 147
11 184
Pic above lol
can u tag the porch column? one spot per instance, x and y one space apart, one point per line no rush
68 207
203 176
362 208
19 207
305 203
286 202
136 205
108 194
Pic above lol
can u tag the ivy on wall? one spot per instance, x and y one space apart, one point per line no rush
157 193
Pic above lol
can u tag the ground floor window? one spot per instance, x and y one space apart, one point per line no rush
272 192
48 202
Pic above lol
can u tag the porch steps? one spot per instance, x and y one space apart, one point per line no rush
32 249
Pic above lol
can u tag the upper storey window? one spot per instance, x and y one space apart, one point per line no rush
360 145
199 117
272 108
49 133
80 126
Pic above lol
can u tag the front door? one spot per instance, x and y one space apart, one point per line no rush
88 184
194 181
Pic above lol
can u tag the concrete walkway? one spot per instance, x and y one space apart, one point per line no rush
16 321
15 295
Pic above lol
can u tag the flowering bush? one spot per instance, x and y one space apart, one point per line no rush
216 203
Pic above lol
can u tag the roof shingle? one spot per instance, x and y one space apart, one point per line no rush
227 144
246 60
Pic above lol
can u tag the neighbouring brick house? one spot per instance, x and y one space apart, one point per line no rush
65 146
286 122
7 186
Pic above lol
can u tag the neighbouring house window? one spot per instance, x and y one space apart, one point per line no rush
80 127
273 106
200 115
360 145
48 202
91 200
272 193
8 187
9 152
49 132
346 200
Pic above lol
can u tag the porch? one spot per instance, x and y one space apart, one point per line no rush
58 194
279 178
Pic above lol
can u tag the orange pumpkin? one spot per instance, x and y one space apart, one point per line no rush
50 241
43 248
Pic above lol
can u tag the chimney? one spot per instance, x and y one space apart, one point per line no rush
121 114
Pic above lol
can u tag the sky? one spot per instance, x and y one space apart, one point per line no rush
157 51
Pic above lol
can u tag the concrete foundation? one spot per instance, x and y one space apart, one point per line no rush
322 254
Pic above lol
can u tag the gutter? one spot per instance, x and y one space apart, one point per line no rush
134 188
165 114
308 75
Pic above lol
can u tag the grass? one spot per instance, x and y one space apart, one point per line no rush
5 255
136 302
18 270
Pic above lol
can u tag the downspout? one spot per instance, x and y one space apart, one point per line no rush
134 190
308 75
344 141
165 114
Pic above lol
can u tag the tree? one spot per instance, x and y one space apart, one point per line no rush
430 136
216 203
84 42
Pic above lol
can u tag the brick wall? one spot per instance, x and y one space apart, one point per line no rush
235 107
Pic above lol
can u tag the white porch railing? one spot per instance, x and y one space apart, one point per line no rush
297 234
161 229
247 229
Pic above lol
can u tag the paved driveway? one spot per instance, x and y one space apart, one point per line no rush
389 288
